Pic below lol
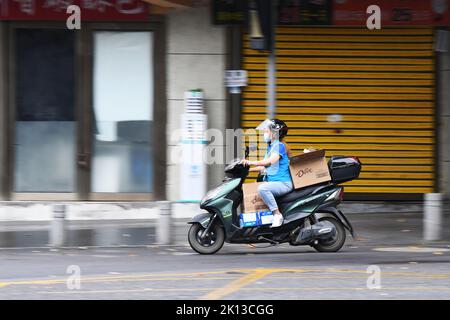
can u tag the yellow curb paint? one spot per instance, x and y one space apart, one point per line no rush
112 278
128 290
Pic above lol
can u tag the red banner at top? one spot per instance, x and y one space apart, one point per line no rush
57 9
393 12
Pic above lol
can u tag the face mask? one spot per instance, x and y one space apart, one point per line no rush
267 137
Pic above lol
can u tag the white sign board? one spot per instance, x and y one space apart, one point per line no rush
193 168
235 79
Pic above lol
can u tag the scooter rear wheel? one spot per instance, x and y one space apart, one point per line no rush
335 243
213 241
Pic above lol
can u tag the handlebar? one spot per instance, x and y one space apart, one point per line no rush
234 165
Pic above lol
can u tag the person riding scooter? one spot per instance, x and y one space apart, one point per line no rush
274 167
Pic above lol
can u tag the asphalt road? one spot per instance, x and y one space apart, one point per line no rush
236 272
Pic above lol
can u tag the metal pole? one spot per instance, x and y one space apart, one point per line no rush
271 68
432 217
164 228
57 228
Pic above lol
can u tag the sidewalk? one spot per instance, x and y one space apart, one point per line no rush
402 225
371 228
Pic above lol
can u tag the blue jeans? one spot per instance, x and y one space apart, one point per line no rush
269 190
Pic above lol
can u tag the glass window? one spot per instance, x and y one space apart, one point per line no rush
45 132
123 110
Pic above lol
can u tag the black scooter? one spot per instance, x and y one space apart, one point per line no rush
311 216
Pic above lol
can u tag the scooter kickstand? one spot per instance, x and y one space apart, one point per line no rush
274 243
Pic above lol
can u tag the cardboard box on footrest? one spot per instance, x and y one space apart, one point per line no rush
248 219
309 168
255 211
265 217
255 219
252 201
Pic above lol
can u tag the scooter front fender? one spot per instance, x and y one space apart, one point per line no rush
202 218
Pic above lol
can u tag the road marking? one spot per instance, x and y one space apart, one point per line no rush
362 288
127 290
237 284
405 274
150 279
307 277
411 249
200 275
250 276
249 289
50 282
184 253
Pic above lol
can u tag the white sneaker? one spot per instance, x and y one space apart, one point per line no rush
277 220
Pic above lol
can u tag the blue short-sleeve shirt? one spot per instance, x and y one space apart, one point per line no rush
279 171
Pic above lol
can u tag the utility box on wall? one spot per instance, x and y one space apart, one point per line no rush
193 166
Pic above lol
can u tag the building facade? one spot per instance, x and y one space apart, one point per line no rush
89 115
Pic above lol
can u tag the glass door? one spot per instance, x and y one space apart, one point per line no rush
44 130
122 115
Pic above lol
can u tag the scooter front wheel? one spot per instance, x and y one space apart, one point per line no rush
210 243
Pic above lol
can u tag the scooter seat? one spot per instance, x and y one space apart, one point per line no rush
298 193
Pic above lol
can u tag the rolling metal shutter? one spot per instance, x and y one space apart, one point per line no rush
380 82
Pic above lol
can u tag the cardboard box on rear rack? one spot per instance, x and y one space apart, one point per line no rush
309 168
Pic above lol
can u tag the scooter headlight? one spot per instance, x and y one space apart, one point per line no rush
211 194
